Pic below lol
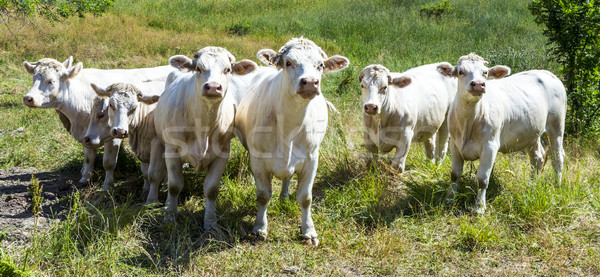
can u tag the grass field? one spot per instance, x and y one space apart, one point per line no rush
370 219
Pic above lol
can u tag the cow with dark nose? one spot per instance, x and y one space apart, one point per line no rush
404 107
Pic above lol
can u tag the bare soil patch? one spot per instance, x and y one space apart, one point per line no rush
16 219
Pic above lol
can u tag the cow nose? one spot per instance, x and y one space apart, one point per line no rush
213 88
119 133
309 83
27 100
371 109
478 85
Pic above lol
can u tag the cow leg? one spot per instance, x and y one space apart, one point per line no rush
88 164
304 198
402 147
429 149
263 196
146 188
486 164
536 157
556 150
455 173
109 161
175 173
211 190
372 150
285 190
156 170
441 145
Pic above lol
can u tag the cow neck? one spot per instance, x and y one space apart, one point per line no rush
76 98
291 110
466 111
208 115
141 129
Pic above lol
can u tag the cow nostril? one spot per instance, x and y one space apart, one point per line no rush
303 82
317 82
28 99
219 88
206 87
87 139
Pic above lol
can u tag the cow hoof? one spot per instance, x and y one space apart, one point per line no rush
83 180
169 217
311 241
105 188
258 237
479 210
397 167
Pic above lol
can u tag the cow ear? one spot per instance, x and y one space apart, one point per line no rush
268 57
446 69
147 99
498 72
100 91
29 66
400 81
182 62
69 62
72 71
244 67
335 63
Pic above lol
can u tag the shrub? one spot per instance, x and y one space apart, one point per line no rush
573 28
436 10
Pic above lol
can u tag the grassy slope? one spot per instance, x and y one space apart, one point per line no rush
370 220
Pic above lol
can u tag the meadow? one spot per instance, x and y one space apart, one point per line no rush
370 219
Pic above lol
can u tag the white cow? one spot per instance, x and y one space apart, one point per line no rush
126 110
194 120
503 115
66 88
282 122
400 108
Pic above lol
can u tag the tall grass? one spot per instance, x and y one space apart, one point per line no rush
370 219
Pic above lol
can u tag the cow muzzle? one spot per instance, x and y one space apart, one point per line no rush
371 109
119 133
89 142
477 88
29 101
309 88
212 90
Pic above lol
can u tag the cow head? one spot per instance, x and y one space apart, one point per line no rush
303 63
123 100
98 131
49 76
213 67
375 81
472 73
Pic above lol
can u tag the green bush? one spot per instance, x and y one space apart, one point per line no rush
573 28
436 10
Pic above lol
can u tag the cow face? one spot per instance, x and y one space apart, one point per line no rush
303 63
375 81
122 104
49 76
472 73
213 67
98 131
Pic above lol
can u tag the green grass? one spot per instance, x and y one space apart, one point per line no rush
370 220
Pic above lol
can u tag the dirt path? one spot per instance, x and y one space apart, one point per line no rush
16 219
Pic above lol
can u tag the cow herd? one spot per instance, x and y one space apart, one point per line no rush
188 112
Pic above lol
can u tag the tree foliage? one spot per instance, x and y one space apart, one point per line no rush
52 10
573 28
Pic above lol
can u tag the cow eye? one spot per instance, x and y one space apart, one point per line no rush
132 110
100 115
485 73
321 66
227 70
112 106
383 89
288 63
461 72
362 86
50 82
